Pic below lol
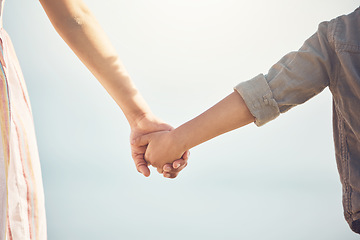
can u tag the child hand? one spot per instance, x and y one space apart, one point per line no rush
171 170
143 127
162 148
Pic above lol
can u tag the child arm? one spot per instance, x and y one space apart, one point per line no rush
229 114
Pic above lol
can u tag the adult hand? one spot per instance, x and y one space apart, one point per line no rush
161 148
146 125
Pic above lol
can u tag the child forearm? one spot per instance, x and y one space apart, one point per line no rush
80 30
165 147
227 115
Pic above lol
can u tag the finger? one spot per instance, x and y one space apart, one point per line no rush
170 175
142 166
178 163
160 170
138 151
142 140
167 167
175 170
186 155
144 170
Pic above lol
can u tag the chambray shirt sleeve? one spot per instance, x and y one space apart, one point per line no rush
297 77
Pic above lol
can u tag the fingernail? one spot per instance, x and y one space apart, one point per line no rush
167 175
167 169
176 165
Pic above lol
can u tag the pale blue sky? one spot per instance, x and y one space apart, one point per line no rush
275 182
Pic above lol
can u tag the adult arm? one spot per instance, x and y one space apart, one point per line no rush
80 30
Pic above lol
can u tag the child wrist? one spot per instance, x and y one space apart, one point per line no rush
178 140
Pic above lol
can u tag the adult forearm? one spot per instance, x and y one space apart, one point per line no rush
80 30
227 115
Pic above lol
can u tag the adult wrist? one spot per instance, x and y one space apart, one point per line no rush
138 118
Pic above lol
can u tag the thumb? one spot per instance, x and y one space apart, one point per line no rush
141 140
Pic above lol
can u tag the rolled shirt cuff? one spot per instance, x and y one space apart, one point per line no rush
259 99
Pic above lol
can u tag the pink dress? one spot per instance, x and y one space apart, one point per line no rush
22 208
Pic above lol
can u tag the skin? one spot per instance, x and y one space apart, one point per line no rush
144 127
163 147
78 27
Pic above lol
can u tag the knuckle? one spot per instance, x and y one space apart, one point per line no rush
140 164
172 176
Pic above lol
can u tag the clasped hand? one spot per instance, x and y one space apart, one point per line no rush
152 143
